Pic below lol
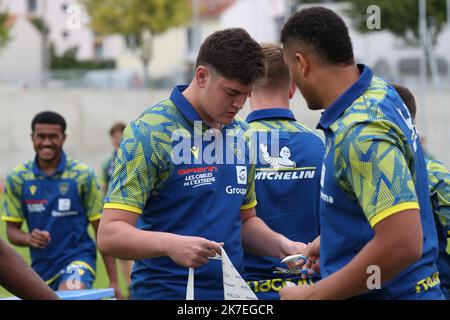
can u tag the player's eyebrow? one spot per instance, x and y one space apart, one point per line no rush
233 91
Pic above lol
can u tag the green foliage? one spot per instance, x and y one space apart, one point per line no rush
400 17
132 17
40 25
4 29
139 19
68 61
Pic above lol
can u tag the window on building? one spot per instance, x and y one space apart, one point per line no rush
64 7
98 50
193 35
32 6
190 39
131 41
65 34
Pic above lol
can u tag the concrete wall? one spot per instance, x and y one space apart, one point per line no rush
89 115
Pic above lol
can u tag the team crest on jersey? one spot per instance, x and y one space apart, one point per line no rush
283 161
33 189
241 174
63 188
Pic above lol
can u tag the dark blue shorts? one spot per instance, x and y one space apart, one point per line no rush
78 271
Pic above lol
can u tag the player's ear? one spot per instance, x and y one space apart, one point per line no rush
201 76
302 63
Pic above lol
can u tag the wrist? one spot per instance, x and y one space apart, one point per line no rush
166 244
284 244
113 278
311 292
28 241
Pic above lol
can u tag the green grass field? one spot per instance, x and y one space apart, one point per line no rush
100 282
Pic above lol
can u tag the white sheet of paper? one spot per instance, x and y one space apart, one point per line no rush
190 285
234 287
290 284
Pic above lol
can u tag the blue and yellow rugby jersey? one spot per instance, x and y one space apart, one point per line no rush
439 182
288 187
374 168
62 204
182 192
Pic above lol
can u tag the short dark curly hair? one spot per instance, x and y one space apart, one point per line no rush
49 117
322 30
234 55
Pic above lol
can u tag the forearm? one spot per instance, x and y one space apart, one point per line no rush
19 238
111 269
110 262
18 278
259 239
352 280
121 240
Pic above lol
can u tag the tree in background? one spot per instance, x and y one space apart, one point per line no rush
139 19
400 17
4 28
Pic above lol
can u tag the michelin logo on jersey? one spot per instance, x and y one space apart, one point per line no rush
282 167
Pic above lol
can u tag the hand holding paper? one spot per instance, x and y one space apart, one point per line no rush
234 287
191 252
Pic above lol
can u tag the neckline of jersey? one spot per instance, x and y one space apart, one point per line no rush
333 112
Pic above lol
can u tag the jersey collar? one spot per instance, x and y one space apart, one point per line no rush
183 104
270 114
332 113
187 109
59 169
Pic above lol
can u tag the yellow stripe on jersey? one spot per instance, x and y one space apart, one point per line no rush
393 210
96 217
124 207
249 205
12 219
